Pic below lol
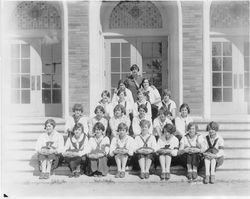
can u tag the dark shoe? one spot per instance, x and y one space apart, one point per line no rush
71 175
77 174
212 179
147 175
189 175
117 175
122 174
46 175
167 177
42 175
194 175
162 176
142 175
206 180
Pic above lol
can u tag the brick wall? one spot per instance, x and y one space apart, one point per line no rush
78 54
192 13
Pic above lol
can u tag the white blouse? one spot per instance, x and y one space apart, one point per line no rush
181 124
150 143
71 143
127 143
103 144
172 143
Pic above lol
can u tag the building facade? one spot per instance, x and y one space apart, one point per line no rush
61 53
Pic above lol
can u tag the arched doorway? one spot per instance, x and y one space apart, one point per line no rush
145 33
35 54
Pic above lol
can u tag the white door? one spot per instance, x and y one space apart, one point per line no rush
149 53
36 86
228 78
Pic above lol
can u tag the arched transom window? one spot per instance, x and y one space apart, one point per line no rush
36 15
135 14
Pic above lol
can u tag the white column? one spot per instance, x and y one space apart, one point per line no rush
65 61
96 63
206 61
180 53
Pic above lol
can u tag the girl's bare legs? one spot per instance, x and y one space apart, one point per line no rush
162 160
124 160
168 163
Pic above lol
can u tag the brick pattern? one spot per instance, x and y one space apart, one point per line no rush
192 13
78 54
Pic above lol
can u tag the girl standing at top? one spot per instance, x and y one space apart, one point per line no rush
77 117
76 148
191 146
145 146
214 152
49 146
121 86
167 146
98 151
182 121
121 147
107 105
141 99
99 117
119 117
153 96
168 103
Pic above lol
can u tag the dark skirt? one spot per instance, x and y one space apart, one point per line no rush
97 165
74 162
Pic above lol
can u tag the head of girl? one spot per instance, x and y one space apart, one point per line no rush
105 96
49 125
140 95
212 128
166 95
192 129
121 85
119 110
134 70
142 109
145 125
184 110
78 130
121 94
163 114
77 109
168 131
145 83
122 130
99 111
98 129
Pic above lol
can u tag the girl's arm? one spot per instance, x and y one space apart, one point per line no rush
85 148
135 126
131 146
157 96
67 145
112 147
60 148
107 145
175 146
220 147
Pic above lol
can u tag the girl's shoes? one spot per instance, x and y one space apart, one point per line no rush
117 175
142 175
42 175
189 175
122 174
212 179
206 180
162 176
46 175
167 176
146 175
77 174
194 175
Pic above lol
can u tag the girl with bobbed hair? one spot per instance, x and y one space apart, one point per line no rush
167 146
106 103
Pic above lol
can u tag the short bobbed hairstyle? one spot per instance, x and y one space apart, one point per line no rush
134 66
143 106
78 126
143 80
99 126
166 92
170 128
122 126
164 111
144 123
121 91
107 93
100 108
212 126
120 107
185 105
77 107
50 121
192 124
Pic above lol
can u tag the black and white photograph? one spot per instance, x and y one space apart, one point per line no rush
130 98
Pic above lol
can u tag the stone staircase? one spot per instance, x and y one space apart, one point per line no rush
19 147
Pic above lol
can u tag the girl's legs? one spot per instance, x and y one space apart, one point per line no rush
142 163
163 163
213 164
148 164
118 163
207 170
168 163
49 163
124 160
43 165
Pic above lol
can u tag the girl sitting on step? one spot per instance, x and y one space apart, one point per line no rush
76 148
49 146
191 147
214 152
98 151
167 146
122 146
145 147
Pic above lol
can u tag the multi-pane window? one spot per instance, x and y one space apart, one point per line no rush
120 62
152 63
51 75
222 76
20 74
246 72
